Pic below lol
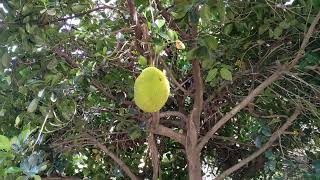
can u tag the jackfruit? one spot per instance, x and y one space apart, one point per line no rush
151 90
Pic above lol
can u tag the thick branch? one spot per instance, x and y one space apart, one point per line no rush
240 106
71 62
137 27
305 41
173 113
154 156
164 131
275 76
122 165
266 146
154 122
198 96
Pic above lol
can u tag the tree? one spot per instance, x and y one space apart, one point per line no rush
244 89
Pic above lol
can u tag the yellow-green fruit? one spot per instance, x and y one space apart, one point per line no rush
151 90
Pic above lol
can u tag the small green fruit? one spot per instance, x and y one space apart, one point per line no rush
151 90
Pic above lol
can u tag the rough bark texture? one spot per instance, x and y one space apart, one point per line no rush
194 165
154 154
193 155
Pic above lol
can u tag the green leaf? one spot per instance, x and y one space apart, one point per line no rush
211 42
226 74
142 60
5 143
17 121
263 28
2 112
41 93
266 131
182 8
78 8
13 170
22 178
284 24
274 120
33 105
135 133
208 63
222 10
160 22
28 28
316 4
200 52
277 32
52 64
193 15
8 79
212 74
4 155
5 60
173 36
227 29
25 132
158 49
51 12
205 14
37 177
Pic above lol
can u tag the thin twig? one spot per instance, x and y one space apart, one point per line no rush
266 146
122 165
174 80
275 76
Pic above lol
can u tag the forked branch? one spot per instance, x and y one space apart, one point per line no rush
275 76
164 131
265 147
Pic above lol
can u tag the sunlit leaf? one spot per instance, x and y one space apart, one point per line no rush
205 13
5 143
5 60
142 60
33 105
212 74
226 74
160 22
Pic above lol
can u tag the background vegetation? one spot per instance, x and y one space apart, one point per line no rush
245 89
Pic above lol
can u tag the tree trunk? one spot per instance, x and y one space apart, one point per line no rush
194 165
192 150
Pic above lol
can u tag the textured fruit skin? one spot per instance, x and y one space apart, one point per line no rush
151 90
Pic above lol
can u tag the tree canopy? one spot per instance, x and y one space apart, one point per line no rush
244 89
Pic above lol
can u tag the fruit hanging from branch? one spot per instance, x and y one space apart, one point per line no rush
151 90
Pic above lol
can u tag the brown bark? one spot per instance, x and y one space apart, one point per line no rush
266 146
240 106
114 157
164 131
192 153
137 27
194 165
275 76
154 122
154 154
